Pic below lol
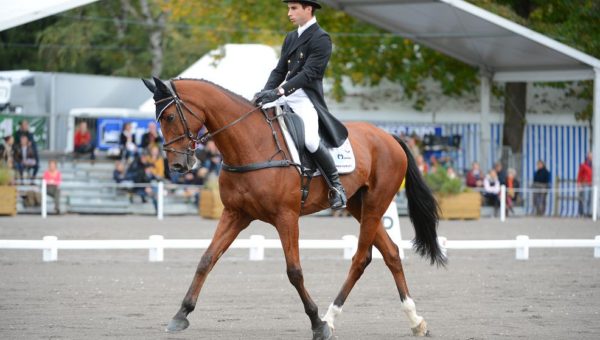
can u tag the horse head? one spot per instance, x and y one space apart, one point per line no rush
180 131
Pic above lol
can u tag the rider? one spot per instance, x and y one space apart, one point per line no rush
298 81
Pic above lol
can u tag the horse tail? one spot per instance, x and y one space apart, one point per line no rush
423 211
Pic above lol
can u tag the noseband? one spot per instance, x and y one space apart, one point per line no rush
193 140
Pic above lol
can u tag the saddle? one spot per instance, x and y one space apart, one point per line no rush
292 127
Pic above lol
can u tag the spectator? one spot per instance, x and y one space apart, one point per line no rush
139 173
541 182
157 163
119 173
53 179
413 147
433 164
210 158
127 142
83 141
422 165
24 131
151 137
450 172
25 158
512 183
474 177
7 151
500 172
491 190
584 185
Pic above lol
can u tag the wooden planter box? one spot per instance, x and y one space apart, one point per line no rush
8 200
210 205
466 205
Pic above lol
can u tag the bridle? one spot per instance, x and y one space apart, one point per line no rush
193 139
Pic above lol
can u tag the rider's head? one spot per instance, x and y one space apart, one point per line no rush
300 12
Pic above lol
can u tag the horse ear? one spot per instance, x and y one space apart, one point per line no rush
149 85
161 86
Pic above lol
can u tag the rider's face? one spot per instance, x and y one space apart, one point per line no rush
298 15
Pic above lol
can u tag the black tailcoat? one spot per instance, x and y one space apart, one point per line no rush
302 64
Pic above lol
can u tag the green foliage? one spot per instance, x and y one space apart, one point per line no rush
6 174
440 183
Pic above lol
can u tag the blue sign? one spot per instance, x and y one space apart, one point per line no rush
109 131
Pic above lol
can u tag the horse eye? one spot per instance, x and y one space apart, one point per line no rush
170 118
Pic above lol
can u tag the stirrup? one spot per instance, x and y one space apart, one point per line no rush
342 198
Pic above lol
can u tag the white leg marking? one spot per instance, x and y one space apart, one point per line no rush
333 312
408 306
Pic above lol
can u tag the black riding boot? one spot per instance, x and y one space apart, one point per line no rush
337 194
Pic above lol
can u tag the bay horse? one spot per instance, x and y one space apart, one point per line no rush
270 190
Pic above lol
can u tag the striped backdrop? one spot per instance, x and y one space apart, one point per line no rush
561 147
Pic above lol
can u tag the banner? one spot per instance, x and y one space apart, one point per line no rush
109 131
38 126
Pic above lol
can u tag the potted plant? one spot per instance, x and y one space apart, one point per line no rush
8 191
455 201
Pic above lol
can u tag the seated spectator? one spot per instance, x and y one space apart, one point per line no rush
24 131
7 151
474 176
127 142
25 159
83 141
157 169
139 173
119 173
433 164
53 179
500 172
210 158
151 137
491 190
450 172
512 183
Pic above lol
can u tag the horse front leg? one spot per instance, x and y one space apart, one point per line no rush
289 234
229 227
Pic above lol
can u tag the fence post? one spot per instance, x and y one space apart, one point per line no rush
160 200
50 252
522 252
257 248
44 199
502 203
351 242
595 203
442 241
156 252
597 248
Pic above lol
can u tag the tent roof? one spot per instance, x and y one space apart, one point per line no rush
19 12
477 37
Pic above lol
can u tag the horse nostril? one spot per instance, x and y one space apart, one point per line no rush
177 167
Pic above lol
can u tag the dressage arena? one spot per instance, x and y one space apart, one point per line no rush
108 294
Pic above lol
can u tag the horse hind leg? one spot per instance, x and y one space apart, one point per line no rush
230 225
360 260
391 256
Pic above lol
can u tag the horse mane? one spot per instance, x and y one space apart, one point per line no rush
236 97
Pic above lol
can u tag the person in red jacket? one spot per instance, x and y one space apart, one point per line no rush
83 141
584 186
53 179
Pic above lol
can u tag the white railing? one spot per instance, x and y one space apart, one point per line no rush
156 244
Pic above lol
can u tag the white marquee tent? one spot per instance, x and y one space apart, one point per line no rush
18 12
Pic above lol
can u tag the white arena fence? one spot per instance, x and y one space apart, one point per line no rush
525 193
256 244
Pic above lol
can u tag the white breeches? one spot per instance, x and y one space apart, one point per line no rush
304 108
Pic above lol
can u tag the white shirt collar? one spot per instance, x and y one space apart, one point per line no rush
307 25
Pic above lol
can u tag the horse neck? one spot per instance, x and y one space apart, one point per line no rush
248 141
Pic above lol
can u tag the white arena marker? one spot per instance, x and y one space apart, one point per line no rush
156 253
597 248
50 252
391 223
351 245
257 248
522 247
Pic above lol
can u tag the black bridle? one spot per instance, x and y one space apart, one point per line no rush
193 139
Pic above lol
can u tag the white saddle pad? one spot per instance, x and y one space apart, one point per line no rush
342 156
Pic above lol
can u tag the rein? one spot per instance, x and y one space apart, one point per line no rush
180 105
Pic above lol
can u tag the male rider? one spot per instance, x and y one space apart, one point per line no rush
298 81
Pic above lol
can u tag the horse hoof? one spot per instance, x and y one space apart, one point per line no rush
323 333
177 325
420 329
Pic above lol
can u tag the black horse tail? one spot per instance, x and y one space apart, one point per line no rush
423 211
